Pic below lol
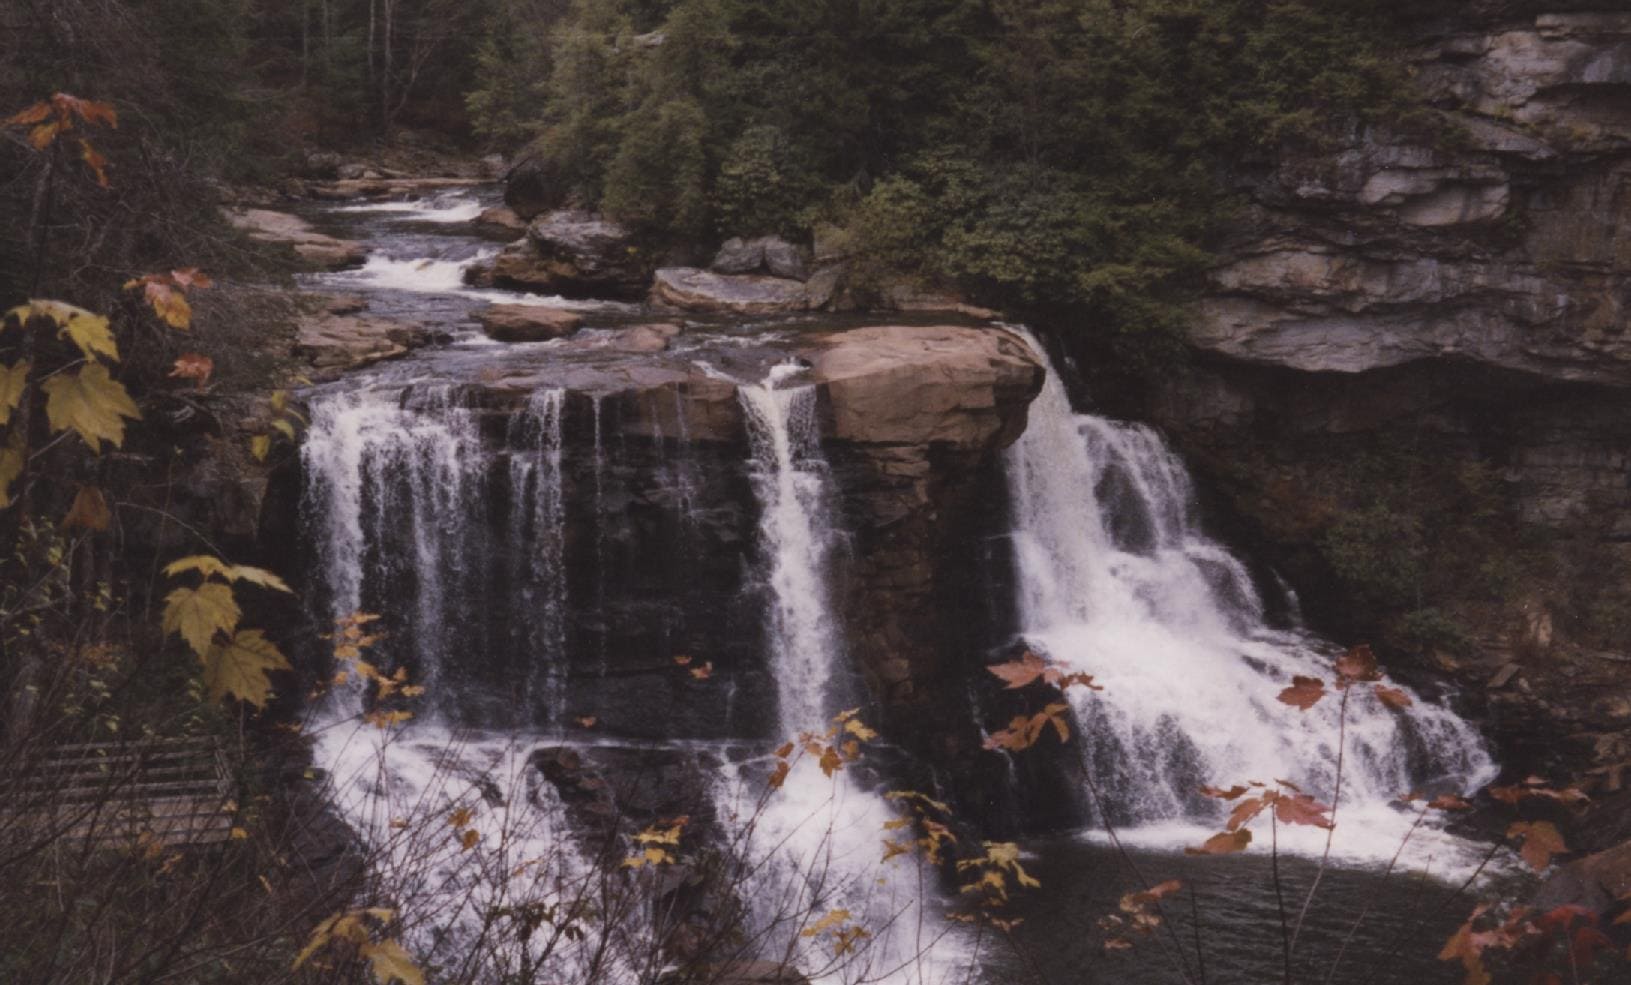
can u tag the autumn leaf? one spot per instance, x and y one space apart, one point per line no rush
1539 841
1392 697
197 614
86 109
205 564
258 576
390 963
170 305
461 817
1223 843
1304 693
1245 811
36 113
830 761
703 672
682 660
91 403
779 775
260 446
1467 947
1019 673
13 379
1301 809
468 839
41 136
95 161
191 277
586 721
854 727
1229 794
89 510
1449 802
240 665
1357 665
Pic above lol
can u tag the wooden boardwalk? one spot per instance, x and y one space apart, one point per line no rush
156 792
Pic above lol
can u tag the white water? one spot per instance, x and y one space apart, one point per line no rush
538 521
430 275
816 844
452 208
399 489
1117 579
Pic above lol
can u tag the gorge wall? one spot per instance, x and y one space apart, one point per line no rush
1412 376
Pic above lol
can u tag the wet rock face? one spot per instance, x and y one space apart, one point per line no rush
659 561
312 247
572 253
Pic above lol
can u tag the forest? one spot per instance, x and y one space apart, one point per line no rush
752 492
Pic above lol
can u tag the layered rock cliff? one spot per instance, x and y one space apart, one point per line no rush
1413 375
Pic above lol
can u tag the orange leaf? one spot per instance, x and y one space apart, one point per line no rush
830 761
704 672
41 136
1229 794
1392 697
1021 672
1540 841
191 277
1358 664
1304 692
170 304
192 366
89 510
95 161
1225 843
30 116
86 109
779 777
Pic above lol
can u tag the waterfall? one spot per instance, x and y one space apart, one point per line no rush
1116 579
538 521
814 846
795 534
397 481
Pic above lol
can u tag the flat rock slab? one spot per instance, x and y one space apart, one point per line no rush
527 322
334 343
501 222
694 289
318 249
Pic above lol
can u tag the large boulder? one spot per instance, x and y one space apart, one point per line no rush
926 385
501 223
691 289
762 255
527 322
315 248
572 253
532 187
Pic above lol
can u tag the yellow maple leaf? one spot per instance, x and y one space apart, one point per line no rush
197 614
90 402
85 329
12 381
390 963
204 564
239 667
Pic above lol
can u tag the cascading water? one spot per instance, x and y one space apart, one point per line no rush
458 826
1116 579
814 846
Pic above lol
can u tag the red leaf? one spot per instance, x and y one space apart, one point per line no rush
86 109
1358 665
1302 809
1226 843
1304 692
1245 811
191 277
1392 697
1229 794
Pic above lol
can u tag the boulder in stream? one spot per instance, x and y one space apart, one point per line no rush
691 289
527 322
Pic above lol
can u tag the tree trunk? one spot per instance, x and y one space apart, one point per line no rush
388 8
371 4
305 43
